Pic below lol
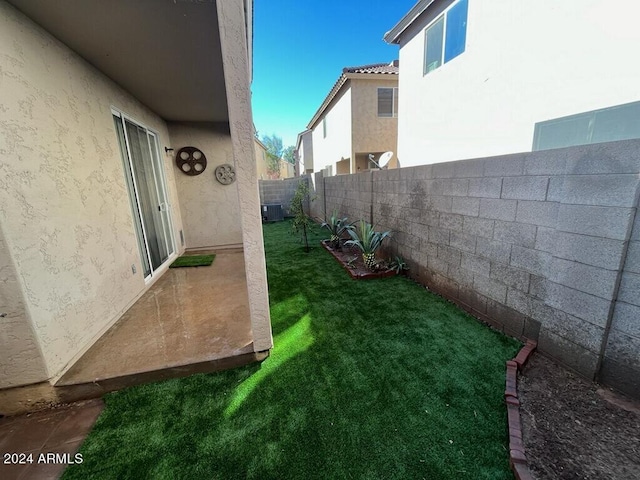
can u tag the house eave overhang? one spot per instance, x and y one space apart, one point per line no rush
393 35
166 53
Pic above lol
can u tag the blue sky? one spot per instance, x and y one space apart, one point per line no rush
300 48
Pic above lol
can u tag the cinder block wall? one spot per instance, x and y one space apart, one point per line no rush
621 364
532 243
280 192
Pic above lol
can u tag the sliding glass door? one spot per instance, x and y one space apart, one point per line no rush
147 192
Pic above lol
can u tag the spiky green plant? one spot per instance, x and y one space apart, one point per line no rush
337 226
367 240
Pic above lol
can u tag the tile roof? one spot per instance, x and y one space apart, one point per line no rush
391 68
375 68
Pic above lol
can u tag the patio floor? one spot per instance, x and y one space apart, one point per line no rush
191 320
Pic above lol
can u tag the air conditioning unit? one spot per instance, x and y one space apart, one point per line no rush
272 213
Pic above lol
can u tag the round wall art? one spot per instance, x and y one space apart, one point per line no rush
225 174
191 161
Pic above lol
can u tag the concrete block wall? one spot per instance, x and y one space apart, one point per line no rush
280 192
621 363
532 243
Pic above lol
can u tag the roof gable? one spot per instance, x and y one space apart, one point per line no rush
363 71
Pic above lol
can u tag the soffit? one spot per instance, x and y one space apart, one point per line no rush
166 53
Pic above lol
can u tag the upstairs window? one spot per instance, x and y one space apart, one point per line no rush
388 102
324 127
446 37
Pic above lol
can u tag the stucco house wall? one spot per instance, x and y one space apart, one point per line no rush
524 62
305 151
371 133
64 205
210 210
336 146
261 159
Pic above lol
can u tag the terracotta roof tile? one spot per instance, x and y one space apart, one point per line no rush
391 68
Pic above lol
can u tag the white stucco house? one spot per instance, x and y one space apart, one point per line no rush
358 118
304 151
96 100
489 78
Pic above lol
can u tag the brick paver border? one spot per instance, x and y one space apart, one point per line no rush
517 458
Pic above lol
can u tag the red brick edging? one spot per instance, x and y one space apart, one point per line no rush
517 458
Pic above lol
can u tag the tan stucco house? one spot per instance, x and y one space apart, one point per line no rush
262 168
358 118
96 100
286 169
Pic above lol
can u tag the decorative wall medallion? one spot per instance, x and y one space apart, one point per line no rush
191 161
225 174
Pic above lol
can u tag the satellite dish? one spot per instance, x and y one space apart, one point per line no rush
385 158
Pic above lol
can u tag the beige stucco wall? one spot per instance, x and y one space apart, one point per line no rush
261 160
286 169
524 62
237 79
210 210
337 144
372 133
63 200
21 360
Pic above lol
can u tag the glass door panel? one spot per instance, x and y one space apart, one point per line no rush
147 191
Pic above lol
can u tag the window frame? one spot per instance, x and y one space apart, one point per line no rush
443 61
394 101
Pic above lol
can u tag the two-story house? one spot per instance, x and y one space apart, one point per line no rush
490 78
304 151
357 121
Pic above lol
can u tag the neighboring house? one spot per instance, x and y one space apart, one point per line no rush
358 118
488 78
287 170
304 151
96 98
262 166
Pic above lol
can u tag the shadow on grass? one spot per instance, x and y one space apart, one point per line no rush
367 379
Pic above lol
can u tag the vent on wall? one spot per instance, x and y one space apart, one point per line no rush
272 213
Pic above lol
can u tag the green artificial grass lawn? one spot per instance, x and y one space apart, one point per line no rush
193 261
375 379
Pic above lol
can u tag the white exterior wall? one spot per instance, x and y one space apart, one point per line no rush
305 152
337 144
525 62
69 240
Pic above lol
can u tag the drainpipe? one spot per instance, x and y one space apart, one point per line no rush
616 290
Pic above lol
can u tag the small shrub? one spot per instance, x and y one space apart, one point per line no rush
301 221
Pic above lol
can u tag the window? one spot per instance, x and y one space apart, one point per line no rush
324 127
446 37
621 122
388 102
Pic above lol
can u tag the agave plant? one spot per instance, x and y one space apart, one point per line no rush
367 240
337 227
